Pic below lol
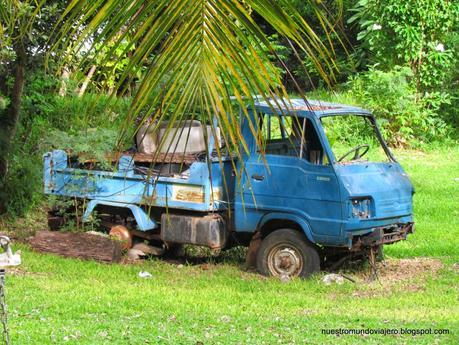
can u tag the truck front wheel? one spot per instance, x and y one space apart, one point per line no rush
286 252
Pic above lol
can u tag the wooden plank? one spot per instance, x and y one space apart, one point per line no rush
77 245
161 158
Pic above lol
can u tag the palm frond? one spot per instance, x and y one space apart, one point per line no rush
199 56
16 19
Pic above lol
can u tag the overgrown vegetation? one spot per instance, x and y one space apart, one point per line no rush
87 124
405 120
419 37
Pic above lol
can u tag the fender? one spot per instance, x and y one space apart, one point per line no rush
144 222
288 216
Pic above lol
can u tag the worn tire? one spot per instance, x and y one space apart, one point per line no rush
287 252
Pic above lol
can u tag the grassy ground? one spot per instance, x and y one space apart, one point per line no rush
54 300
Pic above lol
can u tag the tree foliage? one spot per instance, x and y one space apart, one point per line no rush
24 26
412 32
196 55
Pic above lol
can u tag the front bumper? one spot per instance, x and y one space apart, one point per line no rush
382 235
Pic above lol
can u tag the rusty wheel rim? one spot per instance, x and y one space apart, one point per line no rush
285 260
122 234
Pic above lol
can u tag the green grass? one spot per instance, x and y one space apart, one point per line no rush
54 300
435 177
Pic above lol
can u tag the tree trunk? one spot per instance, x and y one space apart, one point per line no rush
77 245
64 80
10 118
87 80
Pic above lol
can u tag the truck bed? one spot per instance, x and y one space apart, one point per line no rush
201 187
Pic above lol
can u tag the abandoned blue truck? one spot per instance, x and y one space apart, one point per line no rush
318 184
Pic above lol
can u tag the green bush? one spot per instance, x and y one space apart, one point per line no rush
419 34
406 118
84 124
416 33
93 143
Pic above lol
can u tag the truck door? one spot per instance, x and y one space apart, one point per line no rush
296 178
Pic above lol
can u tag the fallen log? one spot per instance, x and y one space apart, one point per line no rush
77 245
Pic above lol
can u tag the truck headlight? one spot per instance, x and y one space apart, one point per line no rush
361 208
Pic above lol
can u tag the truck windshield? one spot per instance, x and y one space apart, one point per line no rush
353 139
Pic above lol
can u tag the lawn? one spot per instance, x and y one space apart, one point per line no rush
53 300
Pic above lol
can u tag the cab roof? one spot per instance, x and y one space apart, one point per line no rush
311 108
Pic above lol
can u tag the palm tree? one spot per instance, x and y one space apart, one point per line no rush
198 56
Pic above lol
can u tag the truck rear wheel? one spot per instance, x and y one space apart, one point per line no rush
286 252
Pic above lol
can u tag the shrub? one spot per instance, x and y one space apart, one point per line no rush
406 118
86 124
412 32
420 34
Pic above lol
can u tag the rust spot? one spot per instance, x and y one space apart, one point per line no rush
188 193
179 158
217 194
149 200
191 196
315 107
122 234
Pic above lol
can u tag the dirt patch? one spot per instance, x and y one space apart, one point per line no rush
17 271
20 271
409 274
393 270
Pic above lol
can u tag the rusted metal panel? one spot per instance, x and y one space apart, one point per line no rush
188 193
315 107
179 158
383 235
207 231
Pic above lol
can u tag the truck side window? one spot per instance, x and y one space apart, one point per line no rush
282 136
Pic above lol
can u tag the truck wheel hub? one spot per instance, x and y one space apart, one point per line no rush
283 260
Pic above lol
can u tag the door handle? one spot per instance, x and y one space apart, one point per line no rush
258 177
